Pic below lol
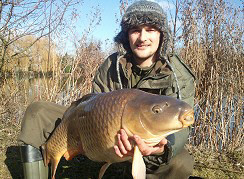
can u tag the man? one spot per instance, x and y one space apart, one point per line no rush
141 62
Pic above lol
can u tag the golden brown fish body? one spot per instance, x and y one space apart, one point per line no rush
90 125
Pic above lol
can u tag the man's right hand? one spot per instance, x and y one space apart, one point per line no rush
125 145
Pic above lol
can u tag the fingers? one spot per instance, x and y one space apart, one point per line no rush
117 151
121 145
164 141
144 148
125 140
124 146
159 148
148 150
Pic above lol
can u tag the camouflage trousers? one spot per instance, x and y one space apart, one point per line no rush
41 118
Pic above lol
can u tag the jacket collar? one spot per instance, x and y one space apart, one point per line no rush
159 69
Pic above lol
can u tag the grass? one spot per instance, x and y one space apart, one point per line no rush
208 164
9 156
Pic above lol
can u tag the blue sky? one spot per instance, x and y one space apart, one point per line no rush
104 31
110 15
110 18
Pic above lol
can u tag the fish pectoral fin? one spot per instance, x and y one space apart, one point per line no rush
138 165
45 156
48 158
103 169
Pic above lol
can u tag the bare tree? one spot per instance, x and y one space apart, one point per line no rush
20 18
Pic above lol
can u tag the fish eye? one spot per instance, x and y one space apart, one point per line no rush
157 109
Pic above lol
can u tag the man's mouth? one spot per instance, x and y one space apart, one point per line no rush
141 46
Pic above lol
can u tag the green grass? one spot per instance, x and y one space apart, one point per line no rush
208 164
214 165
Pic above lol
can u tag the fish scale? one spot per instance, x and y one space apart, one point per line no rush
90 126
106 123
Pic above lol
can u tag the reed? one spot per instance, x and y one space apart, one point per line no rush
213 38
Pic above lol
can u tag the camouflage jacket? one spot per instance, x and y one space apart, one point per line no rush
159 80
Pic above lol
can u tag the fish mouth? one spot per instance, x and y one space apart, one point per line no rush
187 118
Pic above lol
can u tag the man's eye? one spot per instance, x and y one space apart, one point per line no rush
151 30
135 31
132 31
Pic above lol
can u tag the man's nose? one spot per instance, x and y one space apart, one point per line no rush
143 35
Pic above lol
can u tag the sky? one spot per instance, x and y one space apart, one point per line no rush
109 25
110 18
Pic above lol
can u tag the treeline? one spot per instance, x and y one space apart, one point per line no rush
27 31
38 57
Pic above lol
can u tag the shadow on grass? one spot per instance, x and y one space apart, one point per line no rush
79 167
13 162
82 167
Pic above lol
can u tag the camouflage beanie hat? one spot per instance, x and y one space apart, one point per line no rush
143 13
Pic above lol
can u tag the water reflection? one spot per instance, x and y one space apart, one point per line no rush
26 89
220 128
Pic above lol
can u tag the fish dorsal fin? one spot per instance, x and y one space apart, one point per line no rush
138 165
73 106
85 98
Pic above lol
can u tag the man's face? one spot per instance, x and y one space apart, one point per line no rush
144 41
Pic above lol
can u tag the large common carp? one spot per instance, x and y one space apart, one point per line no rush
90 125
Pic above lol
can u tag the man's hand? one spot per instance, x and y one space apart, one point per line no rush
125 145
